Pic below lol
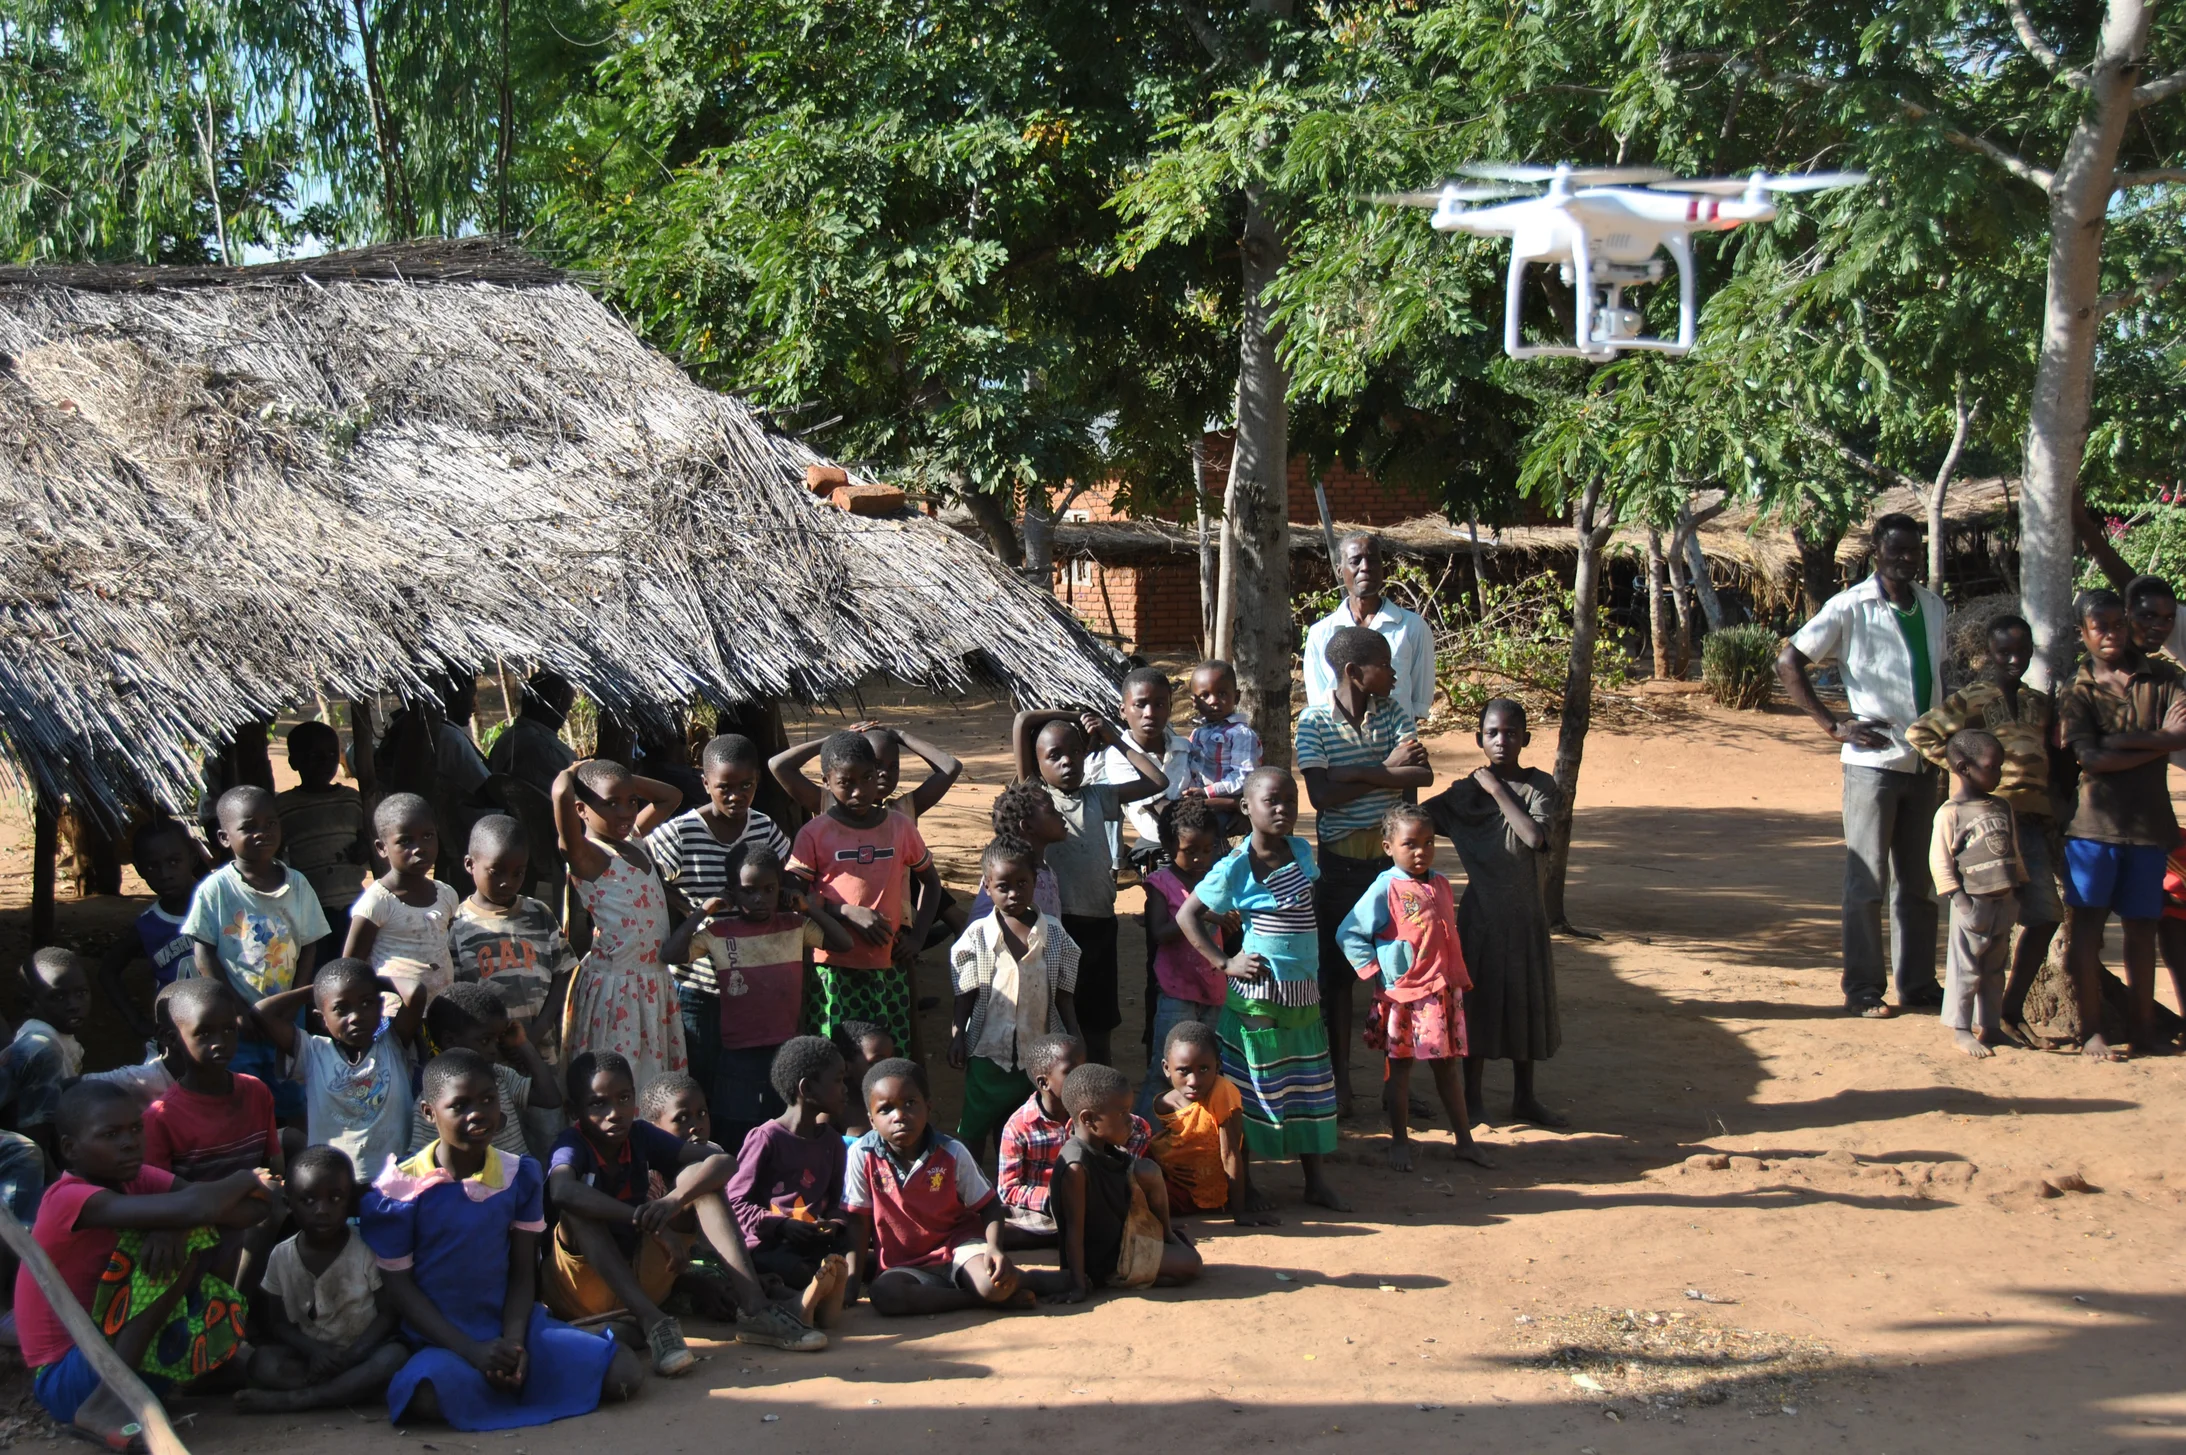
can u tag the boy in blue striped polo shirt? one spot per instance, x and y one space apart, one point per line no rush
1359 754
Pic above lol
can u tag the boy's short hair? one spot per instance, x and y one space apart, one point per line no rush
848 1035
1894 521
150 832
802 1059
49 963
589 1065
321 1158
2011 624
1266 773
2087 604
1216 664
1400 814
83 1101
241 802
847 750
1146 677
1507 704
1355 646
1003 849
343 971
1090 1085
600 775
465 1003
1192 1033
750 854
1964 743
663 1089
450 1067
2140 588
1050 1051
497 833
1016 804
397 809
893 1068
304 734
728 750
1188 813
199 995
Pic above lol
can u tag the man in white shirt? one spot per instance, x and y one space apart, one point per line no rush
1886 637
1411 640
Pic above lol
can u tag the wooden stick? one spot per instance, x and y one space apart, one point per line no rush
45 860
159 1436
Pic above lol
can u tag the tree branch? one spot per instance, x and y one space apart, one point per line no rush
2152 178
1203 31
2110 303
2040 49
2023 170
1873 469
2161 89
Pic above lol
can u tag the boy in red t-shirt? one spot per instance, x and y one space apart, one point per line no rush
212 1121
182 1249
861 858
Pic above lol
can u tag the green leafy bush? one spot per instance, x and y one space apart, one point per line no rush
1519 646
1738 665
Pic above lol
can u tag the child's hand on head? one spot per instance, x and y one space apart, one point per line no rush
1097 732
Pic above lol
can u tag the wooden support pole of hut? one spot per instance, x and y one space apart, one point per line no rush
159 1436
45 867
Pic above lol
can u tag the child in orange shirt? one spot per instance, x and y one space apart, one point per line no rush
1200 1145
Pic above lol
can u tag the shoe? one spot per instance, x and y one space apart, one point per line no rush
1928 997
776 1328
1868 1008
671 1356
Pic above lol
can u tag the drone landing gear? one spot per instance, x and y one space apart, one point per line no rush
1606 325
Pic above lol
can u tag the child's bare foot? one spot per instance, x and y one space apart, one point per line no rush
2095 1048
107 1420
1970 1043
1400 1156
823 1297
1471 1151
1257 1201
1320 1194
1535 1112
1023 1298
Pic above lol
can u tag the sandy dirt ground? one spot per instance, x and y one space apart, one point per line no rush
1771 1226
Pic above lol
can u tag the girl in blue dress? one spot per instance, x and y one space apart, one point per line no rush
456 1231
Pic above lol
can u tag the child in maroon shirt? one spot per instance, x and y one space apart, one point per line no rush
787 1193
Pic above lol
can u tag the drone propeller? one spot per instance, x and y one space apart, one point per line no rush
1581 176
1468 193
1736 186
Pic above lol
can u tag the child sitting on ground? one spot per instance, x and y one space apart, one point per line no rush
677 1105
257 925
1404 930
215 1120
618 1249
155 1262
1200 1144
356 1076
1014 972
333 1334
471 1018
505 939
323 829
860 858
863 1045
1224 748
1187 987
758 957
1974 858
787 1193
1035 1134
45 1056
1111 1207
456 1232
928 1229
622 999
1052 746
170 863
401 921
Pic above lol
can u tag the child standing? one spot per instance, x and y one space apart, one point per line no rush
1224 748
257 925
214 1120
1014 971
506 940
169 862
1111 1206
456 1232
1498 820
472 1018
860 858
1274 1043
356 1077
1200 1147
45 1056
1404 930
1188 987
323 828
787 1193
1976 864
401 921
1024 812
1144 708
333 1334
1052 746
1359 754
622 999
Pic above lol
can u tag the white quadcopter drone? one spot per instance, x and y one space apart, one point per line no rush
1605 226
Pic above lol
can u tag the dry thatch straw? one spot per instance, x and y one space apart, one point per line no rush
234 488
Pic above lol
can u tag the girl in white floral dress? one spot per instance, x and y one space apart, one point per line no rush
623 998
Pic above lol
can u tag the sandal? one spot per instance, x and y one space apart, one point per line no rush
1869 1009
671 1356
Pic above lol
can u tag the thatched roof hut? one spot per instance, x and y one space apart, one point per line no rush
234 487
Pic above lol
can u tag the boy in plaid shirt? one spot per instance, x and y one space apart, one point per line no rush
1032 1141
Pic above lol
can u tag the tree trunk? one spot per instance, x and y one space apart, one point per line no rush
1041 516
505 144
1260 492
1817 562
2079 200
1934 496
1206 550
1480 583
1578 707
993 517
1658 616
386 135
1696 565
1681 598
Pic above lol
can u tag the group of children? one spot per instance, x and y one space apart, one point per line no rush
392 1137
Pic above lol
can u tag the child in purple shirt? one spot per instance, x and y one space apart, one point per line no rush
787 1193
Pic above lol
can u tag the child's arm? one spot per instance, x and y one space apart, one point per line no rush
960 1018
913 939
276 1017
1161 925
571 1196
1152 777
516 1048
1405 767
239 1200
1193 919
1359 930
1929 732
287 1332
412 1014
1066 1201
946 771
1025 736
676 949
1529 830
1237 1167
363 935
1066 1006
661 802
834 934
1942 868
384 1326
586 860
124 949
706 1169
492 1359
788 769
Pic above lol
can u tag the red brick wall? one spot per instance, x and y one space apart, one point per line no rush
1140 608
1353 495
